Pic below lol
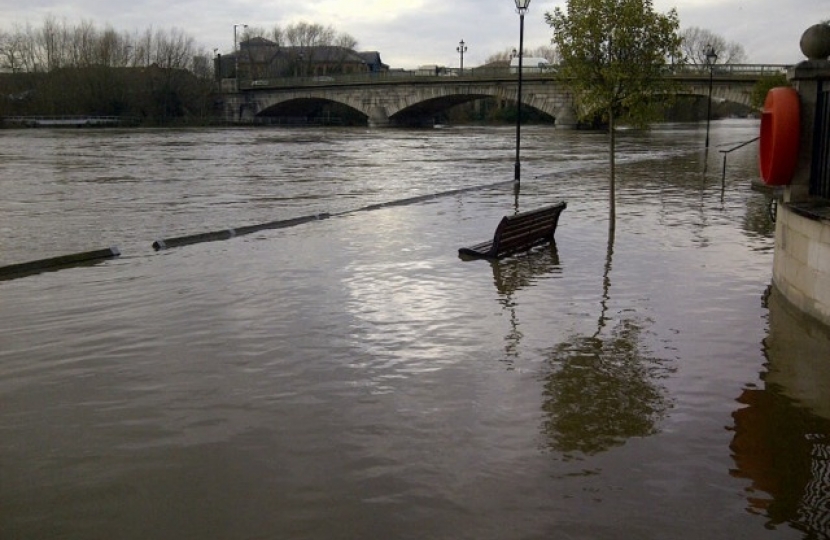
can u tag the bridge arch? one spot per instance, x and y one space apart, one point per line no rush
295 103
740 94
425 105
306 108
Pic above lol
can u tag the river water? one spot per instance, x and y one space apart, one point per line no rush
352 377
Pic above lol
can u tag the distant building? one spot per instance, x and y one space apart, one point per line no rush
261 59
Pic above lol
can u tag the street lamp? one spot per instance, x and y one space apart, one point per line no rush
711 58
521 7
236 52
462 48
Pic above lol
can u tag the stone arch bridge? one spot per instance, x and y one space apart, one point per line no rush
396 99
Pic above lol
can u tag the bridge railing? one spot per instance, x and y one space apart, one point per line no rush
392 76
489 74
723 70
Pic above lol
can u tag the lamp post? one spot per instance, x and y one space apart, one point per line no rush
521 7
711 58
462 48
236 52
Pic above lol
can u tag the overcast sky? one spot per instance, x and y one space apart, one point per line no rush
409 33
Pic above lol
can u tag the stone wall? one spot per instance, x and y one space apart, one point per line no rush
801 267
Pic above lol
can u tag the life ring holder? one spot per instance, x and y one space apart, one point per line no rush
780 136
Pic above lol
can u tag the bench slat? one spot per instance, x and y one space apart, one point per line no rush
519 233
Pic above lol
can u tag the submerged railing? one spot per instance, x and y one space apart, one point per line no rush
732 149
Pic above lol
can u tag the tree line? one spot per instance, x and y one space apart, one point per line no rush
156 76
302 34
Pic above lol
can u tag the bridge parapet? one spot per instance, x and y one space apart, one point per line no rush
752 71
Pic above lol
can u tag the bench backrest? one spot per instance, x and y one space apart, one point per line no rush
526 229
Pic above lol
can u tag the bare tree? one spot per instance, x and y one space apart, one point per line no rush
304 34
551 54
277 35
53 43
82 45
174 49
346 41
500 57
109 48
144 49
17 52
696 42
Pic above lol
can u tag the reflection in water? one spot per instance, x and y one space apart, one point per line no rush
606 283
602 391
757 219
782 436
514 273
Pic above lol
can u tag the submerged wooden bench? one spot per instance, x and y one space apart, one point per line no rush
518 233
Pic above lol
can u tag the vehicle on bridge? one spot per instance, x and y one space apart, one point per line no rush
532 65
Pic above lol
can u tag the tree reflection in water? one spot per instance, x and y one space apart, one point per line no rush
782 435
603 390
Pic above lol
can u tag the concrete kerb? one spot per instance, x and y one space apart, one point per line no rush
227 234
57 263
15 271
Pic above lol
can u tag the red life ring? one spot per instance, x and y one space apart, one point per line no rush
780 134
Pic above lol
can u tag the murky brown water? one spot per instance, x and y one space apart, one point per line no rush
353 378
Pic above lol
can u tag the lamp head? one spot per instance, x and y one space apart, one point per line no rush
711 55
522 5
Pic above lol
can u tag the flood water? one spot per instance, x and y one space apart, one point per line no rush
353 378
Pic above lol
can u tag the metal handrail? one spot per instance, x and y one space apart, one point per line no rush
732 149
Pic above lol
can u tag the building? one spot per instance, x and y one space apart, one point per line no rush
261 59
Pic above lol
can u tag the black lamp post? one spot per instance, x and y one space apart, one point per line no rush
462 48
521 7
711 58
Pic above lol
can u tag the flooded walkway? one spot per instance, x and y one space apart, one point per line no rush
354 378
